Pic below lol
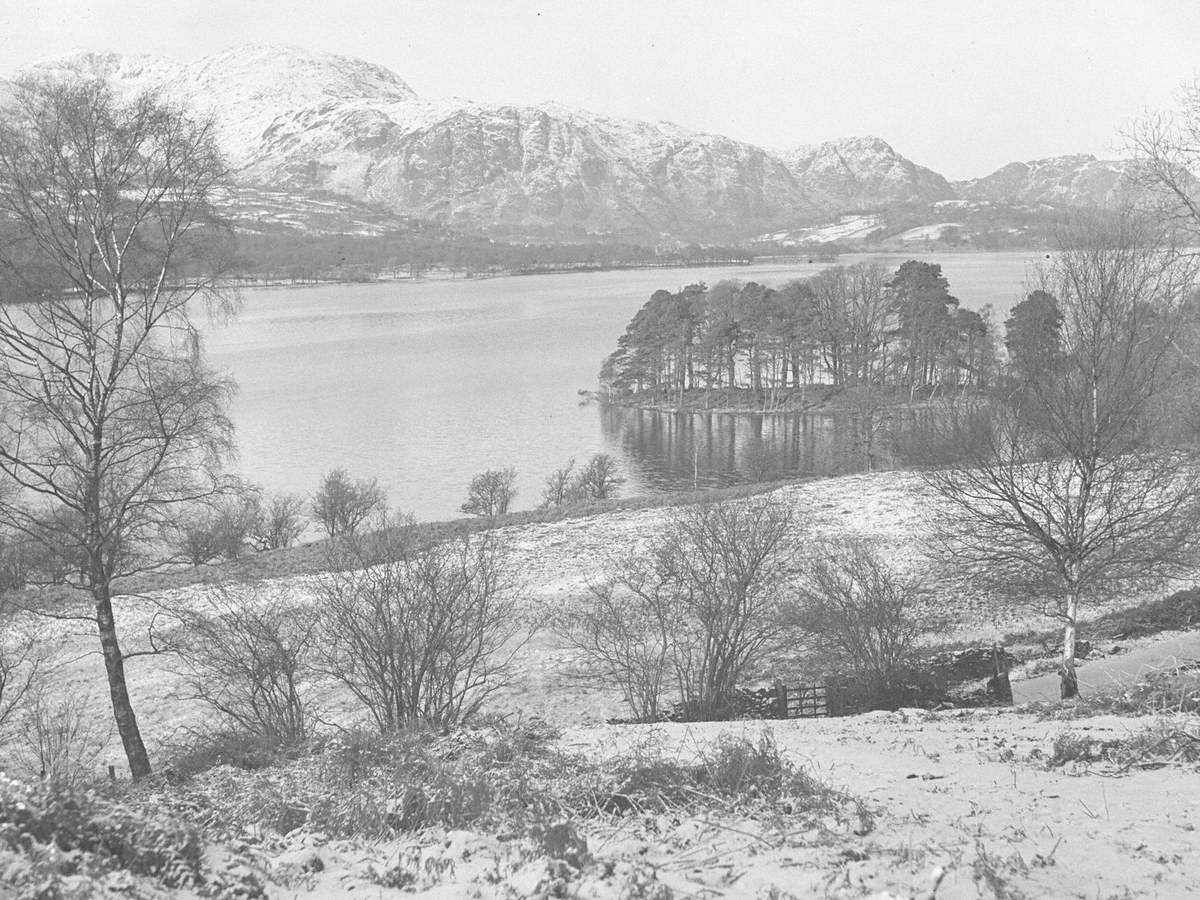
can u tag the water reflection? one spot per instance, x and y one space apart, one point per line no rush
670 451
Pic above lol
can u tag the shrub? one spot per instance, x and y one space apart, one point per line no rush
96 834
61 738
341 505
419 631
863 612
703 601
247 658
761 462
491 492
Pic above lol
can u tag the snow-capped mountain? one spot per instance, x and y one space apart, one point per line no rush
1076 180
293 119
298 121
863 172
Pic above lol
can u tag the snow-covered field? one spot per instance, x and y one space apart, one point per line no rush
847 228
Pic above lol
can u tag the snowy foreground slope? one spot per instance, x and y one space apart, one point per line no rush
951 804
296 120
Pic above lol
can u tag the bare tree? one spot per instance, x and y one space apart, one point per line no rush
556 490
247 657
1166 149
1079 483
627 638
109 418
342 505
491 492
851 602
218 527
706 594
279 522
598 480
417 630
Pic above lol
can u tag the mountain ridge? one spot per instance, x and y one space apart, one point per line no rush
302 121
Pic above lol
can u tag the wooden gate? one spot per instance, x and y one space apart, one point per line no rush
806 701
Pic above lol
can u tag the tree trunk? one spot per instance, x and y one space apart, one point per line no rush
1070 682
114 666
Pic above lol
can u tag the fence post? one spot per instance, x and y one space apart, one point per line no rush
781 700
998 686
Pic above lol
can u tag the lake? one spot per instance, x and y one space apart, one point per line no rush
424 384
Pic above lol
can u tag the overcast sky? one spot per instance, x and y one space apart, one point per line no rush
962 87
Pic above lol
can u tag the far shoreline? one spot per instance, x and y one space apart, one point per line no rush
832 403
441 274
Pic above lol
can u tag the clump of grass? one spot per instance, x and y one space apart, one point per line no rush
1171 691
1162 744
1070 747
196 751
735 774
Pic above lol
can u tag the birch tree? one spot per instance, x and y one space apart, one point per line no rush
1081 482
109 417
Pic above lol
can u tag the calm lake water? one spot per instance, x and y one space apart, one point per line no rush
423 385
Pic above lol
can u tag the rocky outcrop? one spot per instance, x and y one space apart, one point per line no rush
1079 180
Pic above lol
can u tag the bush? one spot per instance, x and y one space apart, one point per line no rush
341 505
419 631
96 834
61 739
863 614
247 659
696 608
491 492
